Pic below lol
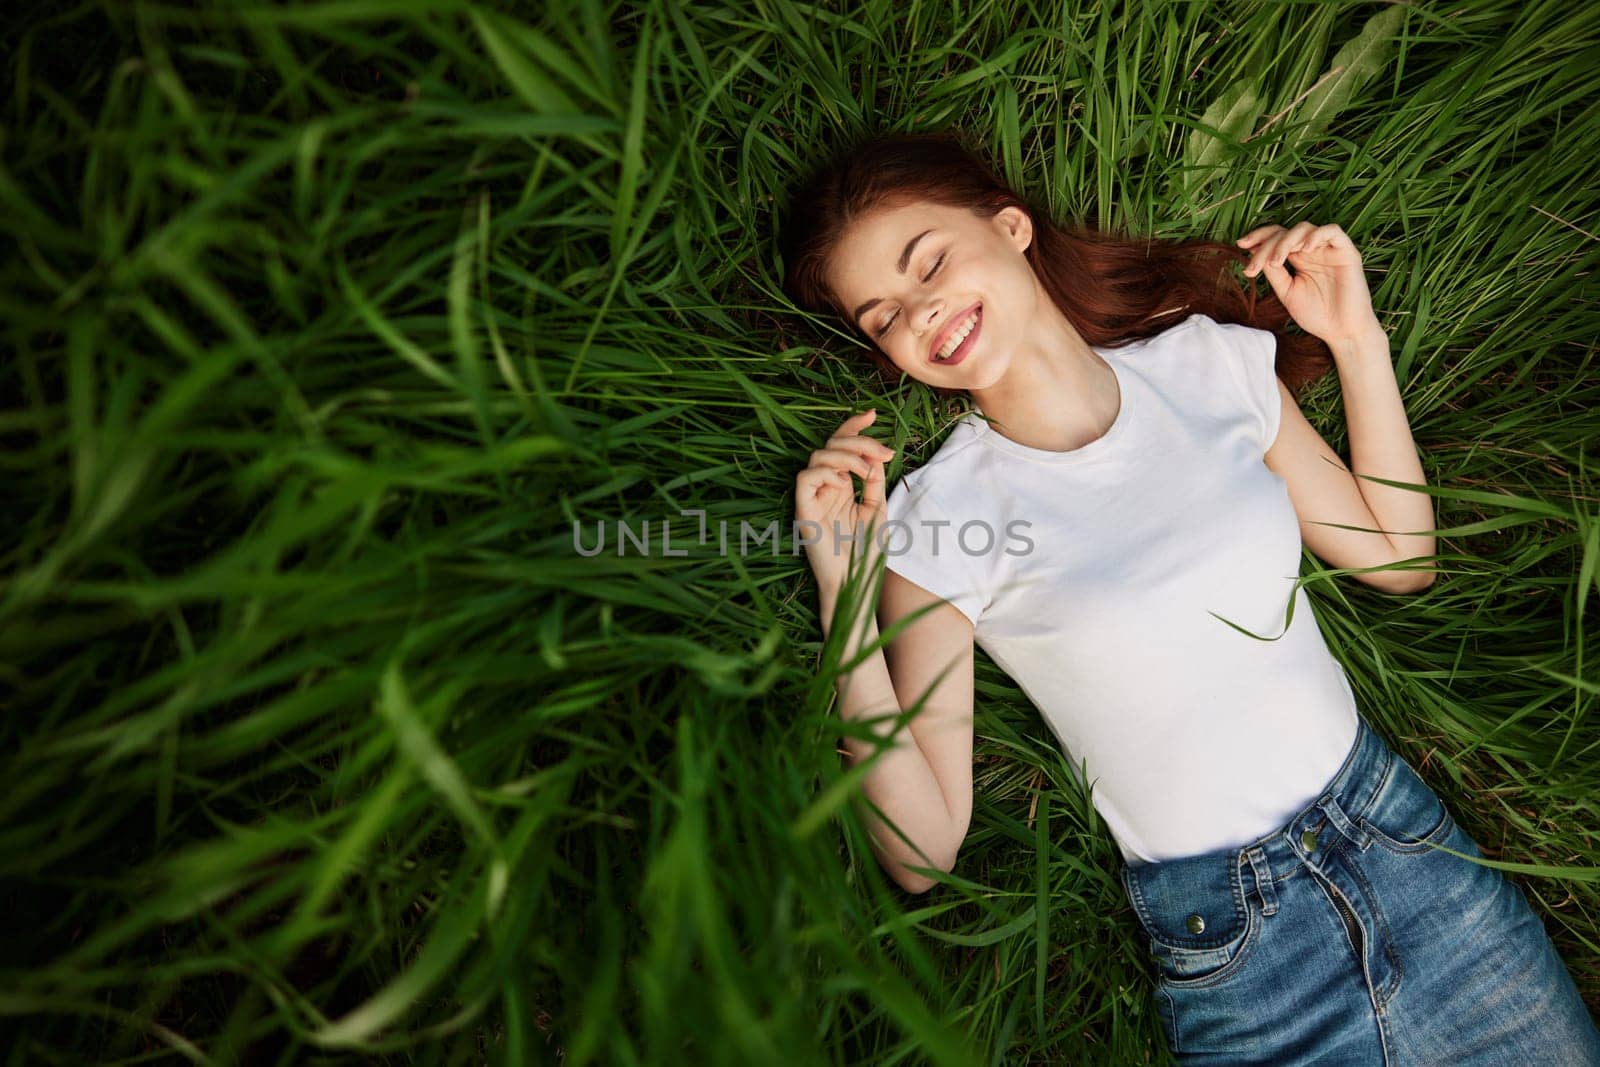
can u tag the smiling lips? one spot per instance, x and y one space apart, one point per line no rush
960 330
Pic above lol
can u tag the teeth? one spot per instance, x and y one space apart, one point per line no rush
956 338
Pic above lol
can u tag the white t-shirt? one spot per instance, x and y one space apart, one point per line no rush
1098 579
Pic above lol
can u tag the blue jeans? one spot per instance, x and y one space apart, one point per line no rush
1346 937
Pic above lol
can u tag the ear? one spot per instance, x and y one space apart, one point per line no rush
1016 225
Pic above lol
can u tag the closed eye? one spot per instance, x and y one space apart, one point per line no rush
890 323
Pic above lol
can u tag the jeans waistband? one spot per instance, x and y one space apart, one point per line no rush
1240 870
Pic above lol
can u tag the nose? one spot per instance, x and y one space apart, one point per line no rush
929 315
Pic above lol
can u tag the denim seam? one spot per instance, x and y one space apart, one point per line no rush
1389 758
1172 1019
1347 827
1263 882
1420 846
1382 924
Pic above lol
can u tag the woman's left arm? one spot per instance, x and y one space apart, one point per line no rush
1327 296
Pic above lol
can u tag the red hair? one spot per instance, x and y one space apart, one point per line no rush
1112 289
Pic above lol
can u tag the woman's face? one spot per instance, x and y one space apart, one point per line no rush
912 277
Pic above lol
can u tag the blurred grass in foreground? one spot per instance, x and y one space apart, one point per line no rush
323 324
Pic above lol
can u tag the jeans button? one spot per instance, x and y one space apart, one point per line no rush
1308 840
1196 924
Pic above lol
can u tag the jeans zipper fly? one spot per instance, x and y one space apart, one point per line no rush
1350 924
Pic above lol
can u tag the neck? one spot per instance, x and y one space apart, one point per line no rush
1057 394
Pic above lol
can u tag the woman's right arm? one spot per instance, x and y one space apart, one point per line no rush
923 782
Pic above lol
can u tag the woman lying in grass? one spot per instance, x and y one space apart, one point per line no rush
1119 525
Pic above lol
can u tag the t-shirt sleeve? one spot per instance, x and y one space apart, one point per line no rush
921 544
1251 355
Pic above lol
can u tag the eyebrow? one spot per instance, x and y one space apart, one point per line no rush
900 268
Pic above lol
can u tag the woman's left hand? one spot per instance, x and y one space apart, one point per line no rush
1327 294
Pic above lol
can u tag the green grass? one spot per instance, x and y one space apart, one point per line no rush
322 324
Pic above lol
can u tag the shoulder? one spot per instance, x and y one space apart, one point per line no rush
1197 328
1231 371
1173 335
949 482
1239 335
1185 355
1211 347
957 456
1171 345
1199 322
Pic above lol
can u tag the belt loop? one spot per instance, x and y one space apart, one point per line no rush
1336 815
1263 880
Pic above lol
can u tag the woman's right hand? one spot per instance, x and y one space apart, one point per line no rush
825 495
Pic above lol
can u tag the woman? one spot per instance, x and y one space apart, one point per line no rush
1119 524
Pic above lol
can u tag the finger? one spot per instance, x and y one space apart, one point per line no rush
856 457
856 440
1285 245
821 474
1334 237
1270 250
857 421
1278 278
1298 239
846 461
1255 235
872 498
811 482
868 447
1260 250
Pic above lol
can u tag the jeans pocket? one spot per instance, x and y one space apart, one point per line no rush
1198 925
1406 815
1192 968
